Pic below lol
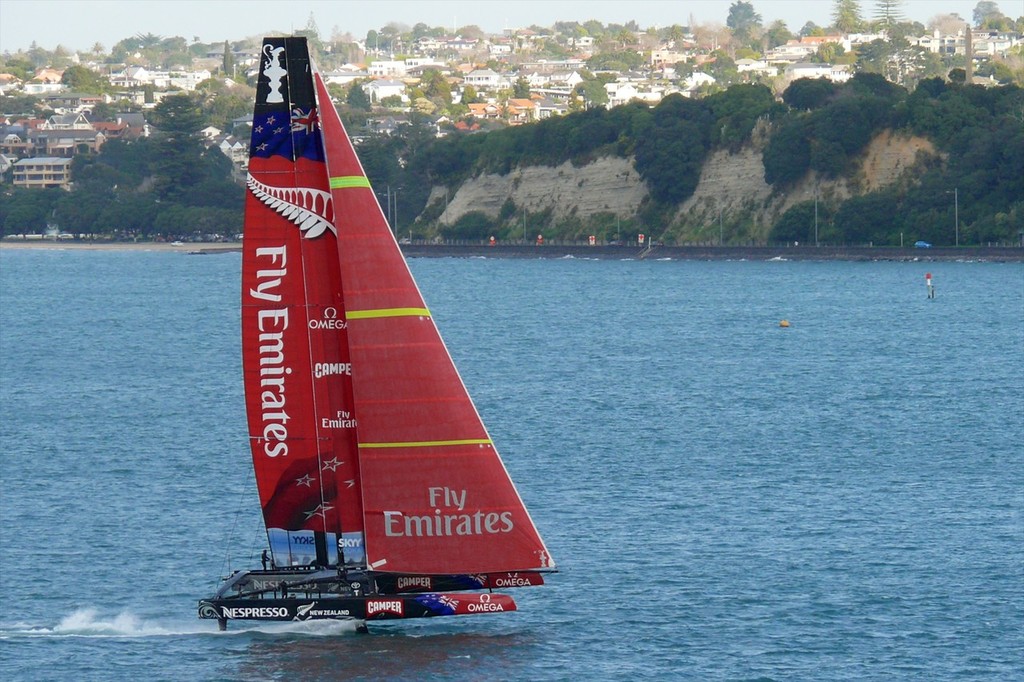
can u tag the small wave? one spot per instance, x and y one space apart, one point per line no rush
86 622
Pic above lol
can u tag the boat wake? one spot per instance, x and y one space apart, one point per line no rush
87 622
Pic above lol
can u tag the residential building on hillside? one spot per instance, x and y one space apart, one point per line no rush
485 79
39 172
378 90
837 73
344 76
386 69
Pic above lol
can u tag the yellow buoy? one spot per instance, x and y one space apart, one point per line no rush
784 323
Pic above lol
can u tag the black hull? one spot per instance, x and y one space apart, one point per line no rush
370 608
318 594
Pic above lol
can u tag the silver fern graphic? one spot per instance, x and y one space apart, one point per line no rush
312 210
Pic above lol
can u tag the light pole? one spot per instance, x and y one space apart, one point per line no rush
956 214
815 214
394 225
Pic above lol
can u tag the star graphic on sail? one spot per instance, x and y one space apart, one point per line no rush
331 464
321 510
306 480
351 483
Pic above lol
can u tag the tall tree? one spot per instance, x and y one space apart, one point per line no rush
178 119
985 10
742 20
846 16
888 12
229 60
357 98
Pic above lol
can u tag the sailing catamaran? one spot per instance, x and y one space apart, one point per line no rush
382 493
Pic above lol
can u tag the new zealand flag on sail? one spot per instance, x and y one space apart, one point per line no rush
285 120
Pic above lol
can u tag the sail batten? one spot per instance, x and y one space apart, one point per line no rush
428 443
387 312
344 181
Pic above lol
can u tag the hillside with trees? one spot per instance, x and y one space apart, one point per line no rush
819 130
667 111
171 184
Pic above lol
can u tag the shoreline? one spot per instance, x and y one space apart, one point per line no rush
74 245
1004 254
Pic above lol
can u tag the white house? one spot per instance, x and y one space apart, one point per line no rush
838 73
755 66
387 69
697 79
623 92
667 57
484 79
380 89
566 79
790 53
344 76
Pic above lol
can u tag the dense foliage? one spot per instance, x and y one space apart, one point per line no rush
168 185
971 191
974 196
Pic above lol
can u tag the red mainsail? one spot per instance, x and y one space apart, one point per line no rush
294 349
364 436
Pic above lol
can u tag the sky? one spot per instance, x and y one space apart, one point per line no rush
79 24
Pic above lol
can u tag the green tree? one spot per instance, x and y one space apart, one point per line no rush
228 62
357 97
778 34
82 79
797 224
20 104
985 11
178 120
736 111
671 146
469 95
27 211
593 93
809 93
101 111
874 57
888 12
873 218
436 87
521 88
846 16
787 155
743 20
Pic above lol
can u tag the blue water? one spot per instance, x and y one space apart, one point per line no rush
728 499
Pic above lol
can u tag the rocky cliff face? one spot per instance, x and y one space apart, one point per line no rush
731 192
608 185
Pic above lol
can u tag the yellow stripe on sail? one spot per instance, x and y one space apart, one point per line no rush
428 443
345 181
386 312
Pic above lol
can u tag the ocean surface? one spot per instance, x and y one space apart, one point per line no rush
727 499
